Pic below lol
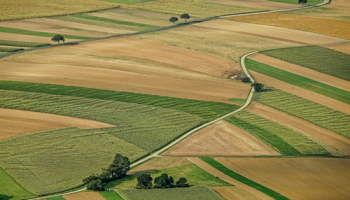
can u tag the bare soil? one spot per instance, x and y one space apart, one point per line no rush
221 139
297 178
345 48
338 142
14 123
306 94
303 71
262 4
84 196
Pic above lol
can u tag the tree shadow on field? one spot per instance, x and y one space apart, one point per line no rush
5 197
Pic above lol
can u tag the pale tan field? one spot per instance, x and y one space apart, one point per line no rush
29 38
270 32
297 178
159 163
234 193
262 4
301 92
126 64
224 43
345 48
332 27
302 71
249 192
14 123
221 138
84 196
332 142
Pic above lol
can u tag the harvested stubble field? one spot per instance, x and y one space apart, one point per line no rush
221 139
320 115
332 142
194 8
234 193
295 139
261 4
84 196
316 58
14 123
223 43
332 27
296 178
156 69
192 193
345 48
18 9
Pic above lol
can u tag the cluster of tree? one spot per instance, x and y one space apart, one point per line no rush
302 2
164 181
116 170
183 16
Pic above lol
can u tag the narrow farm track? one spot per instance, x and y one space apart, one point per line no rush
249 99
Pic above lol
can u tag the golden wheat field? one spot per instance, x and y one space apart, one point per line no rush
333 27
20 9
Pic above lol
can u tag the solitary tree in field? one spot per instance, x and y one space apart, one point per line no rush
182 182
185 16
258 87
173 19
144 182
302 2
58 38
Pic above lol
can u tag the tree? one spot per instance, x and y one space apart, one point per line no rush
185 16
182 182
90 178
117 169
96 185
58 38
144 181
258 87
164 181
246 80
173 19
302 2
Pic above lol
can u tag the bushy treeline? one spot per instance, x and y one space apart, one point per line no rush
164 181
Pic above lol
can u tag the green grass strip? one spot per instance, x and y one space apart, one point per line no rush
89 17
109 195
43 34
204 109
270 139
309 2
10 49
22 44
243 179
300 81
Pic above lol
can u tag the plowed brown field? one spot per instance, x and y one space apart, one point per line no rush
306 94
345 48
14 123
221 138
276 33
126 64
262 4
297 178
249 192
234 193
84 196
159 163
333 142
302 71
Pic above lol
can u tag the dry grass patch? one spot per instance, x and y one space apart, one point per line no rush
345 48
297 178
221 139
332 27
261 4
14 123
84 196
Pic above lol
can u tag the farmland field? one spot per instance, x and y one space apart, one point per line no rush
110 195
296 178
309 2
192 193
345 48
325 117
84 196
332 27
262 4
221 138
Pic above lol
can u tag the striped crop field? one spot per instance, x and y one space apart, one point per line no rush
320 115
22 44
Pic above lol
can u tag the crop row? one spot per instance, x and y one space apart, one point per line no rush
10 49
22 44
307 110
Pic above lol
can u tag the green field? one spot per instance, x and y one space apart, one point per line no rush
300 81
11 189
109 195
22 44
317 58
203 109
10 49
299 142
43 34
195 177
309 2
192 193
307 110
243 179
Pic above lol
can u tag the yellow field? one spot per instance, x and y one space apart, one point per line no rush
195 8
337 28
20 9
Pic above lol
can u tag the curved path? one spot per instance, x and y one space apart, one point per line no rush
249 99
